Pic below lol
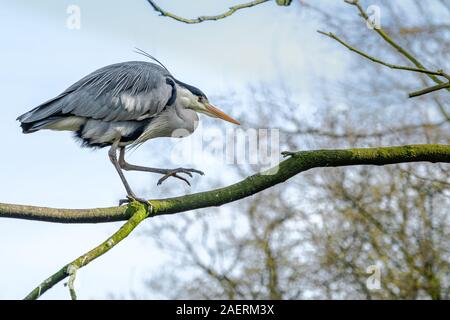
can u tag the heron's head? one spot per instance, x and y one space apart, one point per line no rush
193 98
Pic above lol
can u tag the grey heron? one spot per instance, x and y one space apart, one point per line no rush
123 105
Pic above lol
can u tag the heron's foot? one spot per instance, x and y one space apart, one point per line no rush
175 173
130 199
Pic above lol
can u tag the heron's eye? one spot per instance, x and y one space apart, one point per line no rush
200 99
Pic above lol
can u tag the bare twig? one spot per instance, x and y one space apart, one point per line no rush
394 44
200 19
389 65
437 87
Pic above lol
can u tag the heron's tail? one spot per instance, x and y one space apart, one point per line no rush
30 127
42 116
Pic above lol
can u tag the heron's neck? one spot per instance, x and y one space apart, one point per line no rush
185 97
184 113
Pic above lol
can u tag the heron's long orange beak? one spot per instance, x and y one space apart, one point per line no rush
220 114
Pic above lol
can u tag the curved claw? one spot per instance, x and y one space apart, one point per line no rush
123 201
196 171
174 173
130 199
186 172
288 154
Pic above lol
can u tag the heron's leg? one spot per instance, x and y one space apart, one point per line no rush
113 157
166 172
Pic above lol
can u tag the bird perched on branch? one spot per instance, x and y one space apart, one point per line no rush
123 105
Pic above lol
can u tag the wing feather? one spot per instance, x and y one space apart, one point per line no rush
119 92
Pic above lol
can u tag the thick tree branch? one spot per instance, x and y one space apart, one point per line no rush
300 162
200 19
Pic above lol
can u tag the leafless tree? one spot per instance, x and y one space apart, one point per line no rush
316 237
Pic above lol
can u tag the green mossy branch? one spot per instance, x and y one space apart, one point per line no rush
135 210
299 162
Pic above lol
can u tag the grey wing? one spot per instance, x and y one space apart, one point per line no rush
124 91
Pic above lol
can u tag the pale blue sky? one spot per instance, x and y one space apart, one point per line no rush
40 57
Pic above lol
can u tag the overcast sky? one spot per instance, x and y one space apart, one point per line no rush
41 57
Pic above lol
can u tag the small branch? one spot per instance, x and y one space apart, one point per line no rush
200 19
135 210
392 43
72 272
430 89
302 161
389 65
